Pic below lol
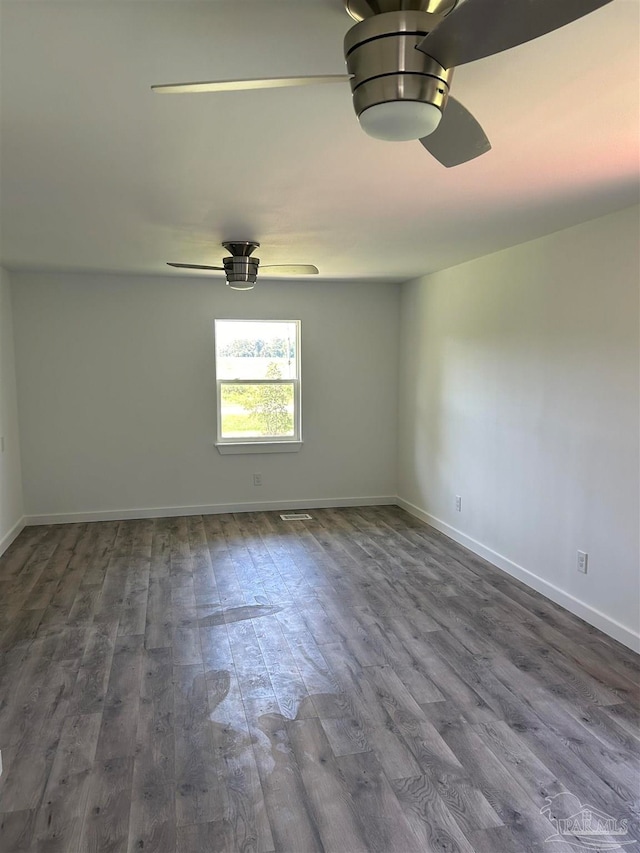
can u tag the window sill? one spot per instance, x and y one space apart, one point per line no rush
259 447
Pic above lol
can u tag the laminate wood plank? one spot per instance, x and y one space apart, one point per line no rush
291 818
214 837
25 587
595 663
429 817
568 766
120 710
159 620
26 768
29 763
518 807
417 732
550 666
72 642
498 839
200 790
204 581
95 667
152 823
625 716
228 567
273 581
216 650
98 559
252 672
229 587
16 831
106 820
133 614
18 553
185 640
285 678
115 574
44 694
442 674
23 683
59 820
159 623
363 705
247 820
330 801
12 670
58 609
317 622
85 605
533 775
385 825
510 698
353 635
22 628
313 667
617 768
240 550
345 735
277 545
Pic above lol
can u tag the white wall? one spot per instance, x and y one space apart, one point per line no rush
520 392
116 386
11 509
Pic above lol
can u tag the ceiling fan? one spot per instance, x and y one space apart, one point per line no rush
400 59
241 269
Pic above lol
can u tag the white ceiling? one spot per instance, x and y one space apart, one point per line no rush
98 173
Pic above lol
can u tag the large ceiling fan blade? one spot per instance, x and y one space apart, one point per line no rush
479 28
291 269
239 85
458 138
194 267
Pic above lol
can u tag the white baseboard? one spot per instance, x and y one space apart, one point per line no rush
8 538
210 509
579 608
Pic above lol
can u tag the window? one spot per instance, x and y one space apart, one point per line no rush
258 383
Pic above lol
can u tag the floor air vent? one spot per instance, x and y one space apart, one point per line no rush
295 516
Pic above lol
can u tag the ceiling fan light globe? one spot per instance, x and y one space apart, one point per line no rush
397 121
241 285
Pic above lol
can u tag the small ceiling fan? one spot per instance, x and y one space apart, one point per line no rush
400 59
241 269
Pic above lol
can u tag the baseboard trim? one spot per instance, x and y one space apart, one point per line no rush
15 531
209 509
579 608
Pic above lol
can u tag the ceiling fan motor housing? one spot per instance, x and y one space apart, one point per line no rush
381 54
240 268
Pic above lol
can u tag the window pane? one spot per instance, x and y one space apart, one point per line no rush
257 411
256 349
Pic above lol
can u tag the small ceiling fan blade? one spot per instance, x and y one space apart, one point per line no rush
291 269
479 28
240 85
194 267
458 138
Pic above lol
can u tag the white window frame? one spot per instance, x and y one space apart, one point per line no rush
260 444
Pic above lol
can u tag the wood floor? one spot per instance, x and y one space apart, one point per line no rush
353 683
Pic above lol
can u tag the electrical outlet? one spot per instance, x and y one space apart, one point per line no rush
583 562
257 479
458 503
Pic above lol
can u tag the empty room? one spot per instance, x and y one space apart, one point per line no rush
319 426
